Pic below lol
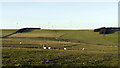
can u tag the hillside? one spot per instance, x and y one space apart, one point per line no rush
99 49
83 36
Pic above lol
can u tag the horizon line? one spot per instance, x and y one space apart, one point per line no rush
58 28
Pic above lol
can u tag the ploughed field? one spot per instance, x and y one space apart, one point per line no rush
100 50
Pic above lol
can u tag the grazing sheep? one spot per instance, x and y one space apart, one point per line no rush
20 42
44 47
83 49
65 48
49 47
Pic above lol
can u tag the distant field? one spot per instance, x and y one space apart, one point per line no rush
100 50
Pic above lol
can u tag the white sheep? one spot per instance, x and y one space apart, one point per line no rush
44 47
49 47
20 42
83 49
65 48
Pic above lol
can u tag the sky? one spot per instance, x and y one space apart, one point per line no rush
59 0
59 15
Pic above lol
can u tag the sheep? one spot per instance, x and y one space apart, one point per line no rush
65 48
83 49
44 47
20 42
49 47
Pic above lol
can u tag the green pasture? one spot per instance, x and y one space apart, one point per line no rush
100 50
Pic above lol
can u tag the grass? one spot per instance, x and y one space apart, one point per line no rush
99 50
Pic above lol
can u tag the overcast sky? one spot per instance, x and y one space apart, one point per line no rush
76 15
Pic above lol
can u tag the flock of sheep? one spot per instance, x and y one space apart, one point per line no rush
44 47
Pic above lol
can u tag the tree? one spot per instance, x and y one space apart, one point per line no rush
103 31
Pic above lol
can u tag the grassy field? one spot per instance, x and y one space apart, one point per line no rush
99 50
